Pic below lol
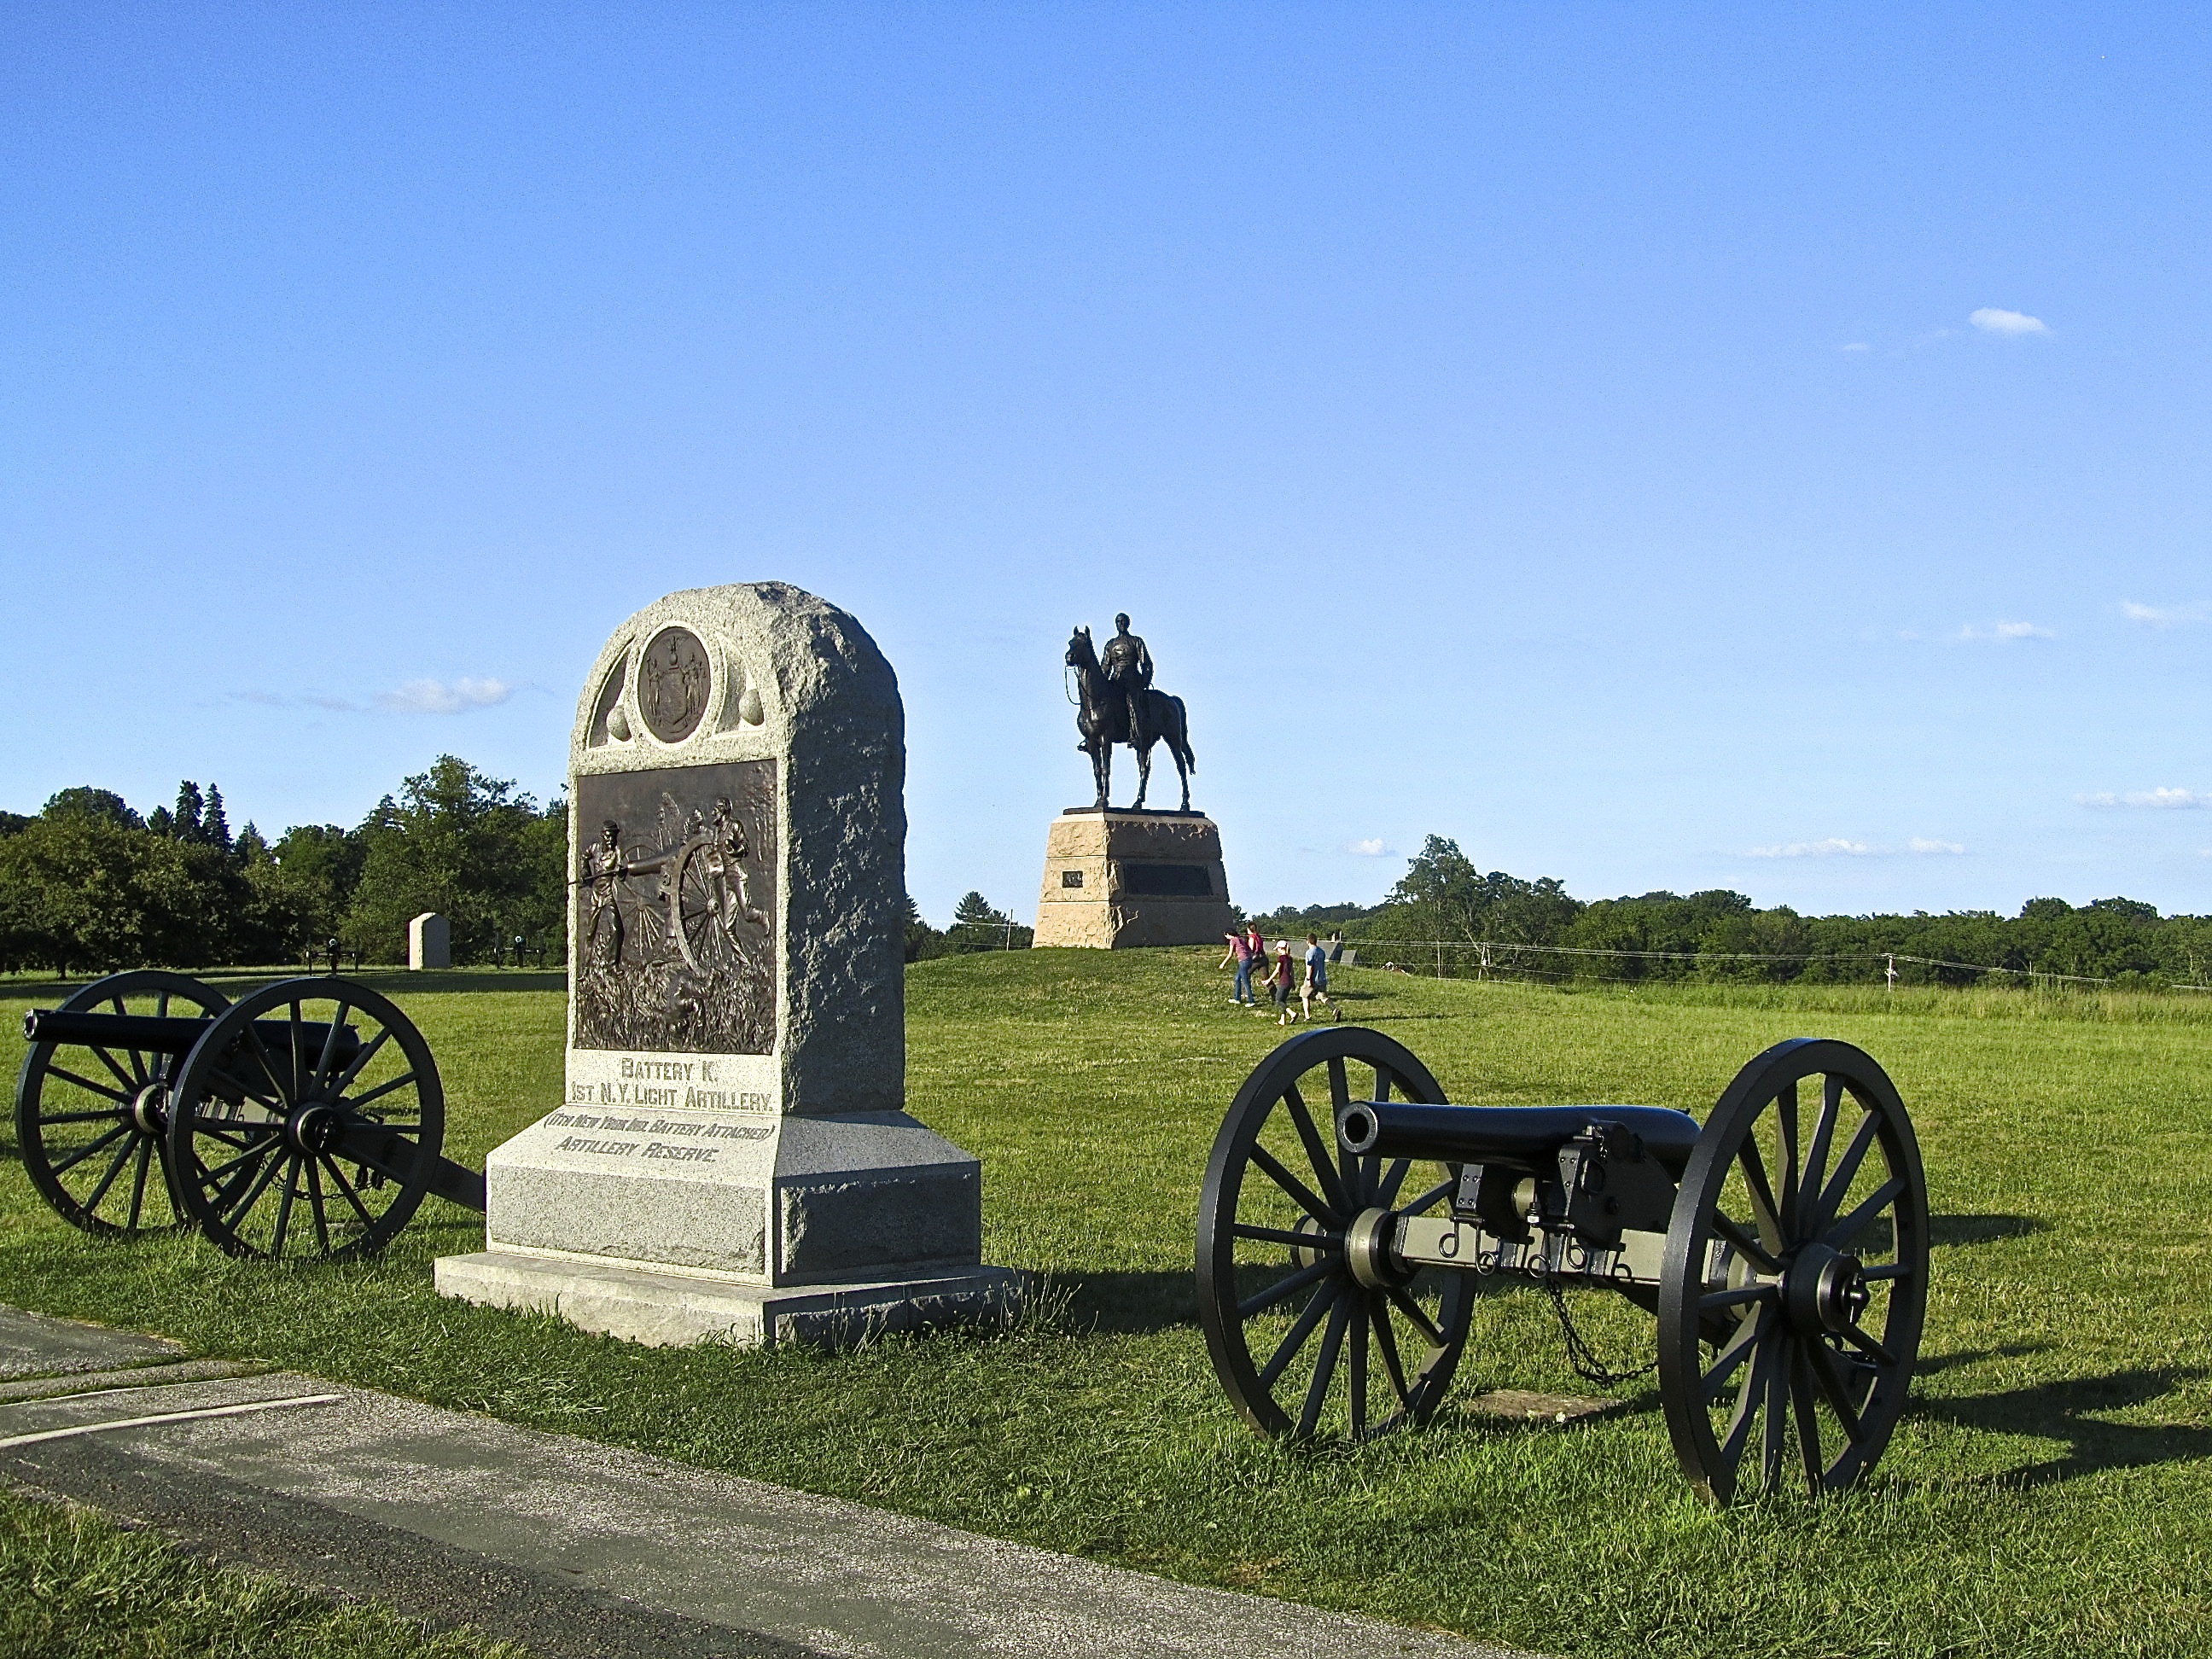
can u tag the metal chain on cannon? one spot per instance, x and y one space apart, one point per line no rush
1580 1355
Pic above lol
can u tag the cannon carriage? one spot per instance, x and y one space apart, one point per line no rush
1350 1216
307 1119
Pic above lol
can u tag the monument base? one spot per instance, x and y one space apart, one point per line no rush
679 1225
1115 880
671 1311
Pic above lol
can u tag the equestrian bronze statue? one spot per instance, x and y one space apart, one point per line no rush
1116 704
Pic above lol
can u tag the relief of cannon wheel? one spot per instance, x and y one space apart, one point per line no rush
1349 1216
706 903
306 1120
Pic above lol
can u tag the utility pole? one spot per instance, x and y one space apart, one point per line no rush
1889 974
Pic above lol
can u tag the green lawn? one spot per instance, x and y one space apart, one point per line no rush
2050 1491
74 1585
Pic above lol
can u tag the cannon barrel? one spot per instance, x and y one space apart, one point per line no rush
165 1034
1521 1137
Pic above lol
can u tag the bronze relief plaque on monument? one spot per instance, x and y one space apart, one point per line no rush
675 908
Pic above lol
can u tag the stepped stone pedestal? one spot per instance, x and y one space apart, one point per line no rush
1116 879
732 1159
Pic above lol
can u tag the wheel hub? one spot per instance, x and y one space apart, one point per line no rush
1825 1290
315 1128
150 1110
1367 1250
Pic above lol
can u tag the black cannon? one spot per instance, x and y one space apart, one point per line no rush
1783 1248
306 1120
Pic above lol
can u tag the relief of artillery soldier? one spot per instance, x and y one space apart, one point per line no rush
676 947
727 851
601 878
1117 703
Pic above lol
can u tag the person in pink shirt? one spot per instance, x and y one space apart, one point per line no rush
1240 952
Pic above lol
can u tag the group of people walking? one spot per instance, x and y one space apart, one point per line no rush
1248 951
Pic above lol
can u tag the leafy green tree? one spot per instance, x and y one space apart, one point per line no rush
104 804
978 925
923 940
456 841
85 891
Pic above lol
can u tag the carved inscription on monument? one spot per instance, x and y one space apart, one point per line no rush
673 678
675 908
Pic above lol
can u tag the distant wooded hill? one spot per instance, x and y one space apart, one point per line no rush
1445 915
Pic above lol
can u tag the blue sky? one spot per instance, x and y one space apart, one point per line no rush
1748 446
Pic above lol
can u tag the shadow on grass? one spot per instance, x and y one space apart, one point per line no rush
1982 1229
2065 1409
1119 1303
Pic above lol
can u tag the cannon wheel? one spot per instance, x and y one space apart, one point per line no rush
1273 1265
694 914
259 1130
1794 1277
92 1122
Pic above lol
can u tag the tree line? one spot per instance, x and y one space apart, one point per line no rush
1446 915
90 885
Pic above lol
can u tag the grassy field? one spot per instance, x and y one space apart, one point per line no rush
2049 1493
74 1585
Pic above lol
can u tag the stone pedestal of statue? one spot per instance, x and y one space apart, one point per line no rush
1114 880
732 1159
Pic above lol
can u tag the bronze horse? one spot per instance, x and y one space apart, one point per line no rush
1104 722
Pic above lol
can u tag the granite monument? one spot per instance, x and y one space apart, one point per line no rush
732 1159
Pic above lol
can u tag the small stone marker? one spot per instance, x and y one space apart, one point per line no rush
429 942
734 1160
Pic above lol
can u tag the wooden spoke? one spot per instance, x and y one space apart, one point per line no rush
1355 1375
1332 1343
84 1152
1816 1154
1847 1169
122 1157
89 1085
1386 1343
1785 1121
1324 1166
131 1080
1760 1291
345 1187
1316 1307
1283 1236
1415 1318
1840 1235
1753 1249
1295 1189
1765 1211
1443 1189
381 1090
1283 1289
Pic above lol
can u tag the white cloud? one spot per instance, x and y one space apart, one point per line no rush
1927 844
1992 320
2183 799
298 700
1814 849
1855 345
2006 631
427 697
2172 615
1372 847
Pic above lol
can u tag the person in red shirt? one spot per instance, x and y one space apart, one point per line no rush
1279 981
